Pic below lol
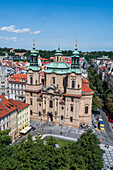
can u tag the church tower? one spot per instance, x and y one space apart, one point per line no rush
75 59
33 57
34 84
58 55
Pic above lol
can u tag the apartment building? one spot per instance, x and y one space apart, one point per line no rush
17 84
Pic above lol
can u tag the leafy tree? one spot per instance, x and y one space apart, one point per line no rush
109 103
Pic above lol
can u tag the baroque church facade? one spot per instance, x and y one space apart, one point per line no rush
63 96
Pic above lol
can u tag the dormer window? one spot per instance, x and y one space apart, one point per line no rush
13 79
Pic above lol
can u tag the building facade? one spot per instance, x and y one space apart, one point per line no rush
17 84
63 97
23 115
4 84
8 114
14 115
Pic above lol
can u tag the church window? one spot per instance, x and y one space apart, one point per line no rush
39 113
53 80
55 113
36 81
62 108
31 102
71 108
78 86
73 84
39 104
57 58
31 80
71 119
51 104
72 99
86 109
30 112
62 117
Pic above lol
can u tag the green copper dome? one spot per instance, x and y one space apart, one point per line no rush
57 65
76 53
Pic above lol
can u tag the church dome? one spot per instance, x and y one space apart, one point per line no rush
57 65
58 68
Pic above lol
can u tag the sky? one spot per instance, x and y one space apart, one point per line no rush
51 22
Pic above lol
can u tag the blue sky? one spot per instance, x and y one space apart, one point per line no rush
52 21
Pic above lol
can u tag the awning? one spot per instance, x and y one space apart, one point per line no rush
25 130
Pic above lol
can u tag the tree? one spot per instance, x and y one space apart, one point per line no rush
109 102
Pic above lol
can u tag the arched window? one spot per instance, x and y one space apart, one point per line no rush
50 104
73 84
71 119
39 113
31 80
86 109
53 80
62 117
71 108
78 86
31 102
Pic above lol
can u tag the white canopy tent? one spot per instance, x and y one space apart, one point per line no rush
25 130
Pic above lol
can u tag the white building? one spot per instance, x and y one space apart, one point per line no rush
17 84
4 84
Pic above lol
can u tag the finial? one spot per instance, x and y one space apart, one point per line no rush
33 43
76 43
59 46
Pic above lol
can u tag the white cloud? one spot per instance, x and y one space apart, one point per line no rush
11 28
9 38
35 32
22 30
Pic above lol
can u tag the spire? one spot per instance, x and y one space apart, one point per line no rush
34 44
76 45
59 46
75 58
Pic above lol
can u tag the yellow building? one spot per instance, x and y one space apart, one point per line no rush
23 115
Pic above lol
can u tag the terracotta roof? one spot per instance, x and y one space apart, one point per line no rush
52 58
85 90
85 87
18 104
5 106
17 77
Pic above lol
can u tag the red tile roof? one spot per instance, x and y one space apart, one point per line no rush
5 106
18 104
85 90
85 87
18 77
